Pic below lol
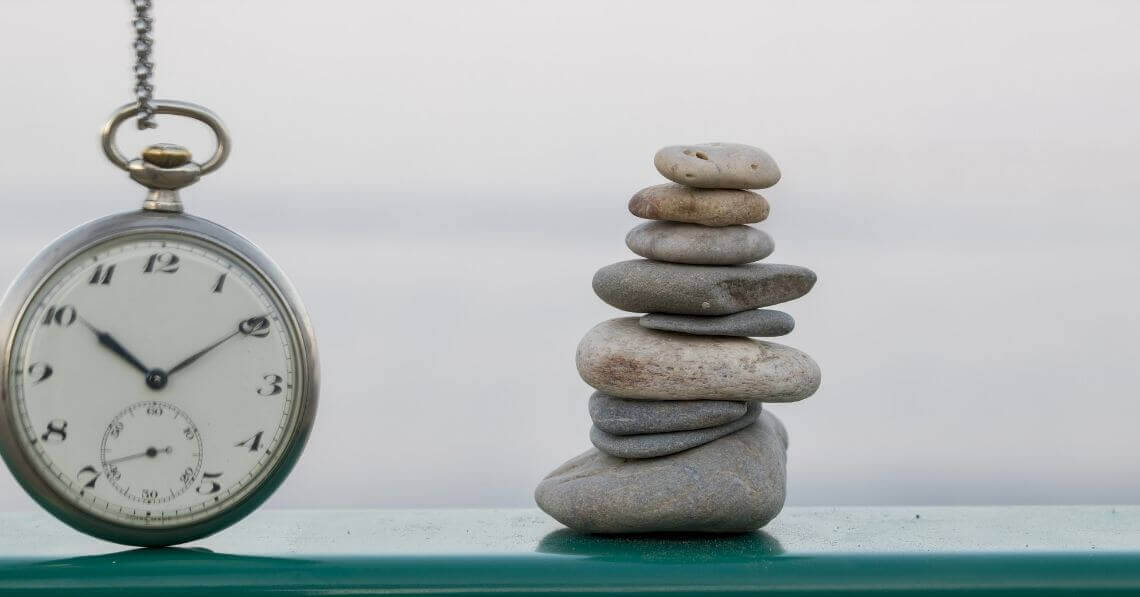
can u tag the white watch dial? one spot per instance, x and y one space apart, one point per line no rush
154 378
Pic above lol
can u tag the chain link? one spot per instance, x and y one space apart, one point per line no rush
144 68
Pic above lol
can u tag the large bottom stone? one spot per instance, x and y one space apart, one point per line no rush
734 484
653 445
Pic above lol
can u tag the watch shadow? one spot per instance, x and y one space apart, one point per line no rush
673 548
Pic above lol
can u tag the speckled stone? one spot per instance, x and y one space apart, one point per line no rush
700 245
618 416
734 484
710 207
653 445
644 286
754 323
718 166
621 358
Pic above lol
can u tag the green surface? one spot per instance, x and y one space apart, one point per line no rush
1030 550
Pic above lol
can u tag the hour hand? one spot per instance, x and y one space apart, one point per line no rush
110 343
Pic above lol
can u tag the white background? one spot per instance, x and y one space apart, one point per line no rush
441 179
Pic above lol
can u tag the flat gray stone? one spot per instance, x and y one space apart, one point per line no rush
618 416
754 323
711 207
653 445
734 484
718 166
699 245
620 358
644 286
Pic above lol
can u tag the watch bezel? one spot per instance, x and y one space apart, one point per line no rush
28 285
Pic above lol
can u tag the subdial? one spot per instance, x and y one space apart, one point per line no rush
152 452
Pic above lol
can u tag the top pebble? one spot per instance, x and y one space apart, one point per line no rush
718 166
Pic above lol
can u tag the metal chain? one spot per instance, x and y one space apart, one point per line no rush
144 68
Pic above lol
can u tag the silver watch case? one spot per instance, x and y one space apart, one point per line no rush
27 285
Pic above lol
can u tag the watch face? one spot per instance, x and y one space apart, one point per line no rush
154 380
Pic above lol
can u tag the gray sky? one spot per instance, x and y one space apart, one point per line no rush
441 179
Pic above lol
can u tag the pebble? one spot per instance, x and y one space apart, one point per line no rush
700 245
621 358
734 484
757 322
644 286
653 445
710 207
618 416
718 166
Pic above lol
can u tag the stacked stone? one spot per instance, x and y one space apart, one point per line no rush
680 440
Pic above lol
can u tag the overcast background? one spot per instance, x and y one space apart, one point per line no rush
441 180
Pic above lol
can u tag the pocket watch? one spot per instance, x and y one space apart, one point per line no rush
159 371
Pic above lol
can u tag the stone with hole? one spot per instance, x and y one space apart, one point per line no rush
718 166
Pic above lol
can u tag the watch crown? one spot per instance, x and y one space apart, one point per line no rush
166 155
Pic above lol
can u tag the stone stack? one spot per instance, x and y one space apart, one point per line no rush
681 441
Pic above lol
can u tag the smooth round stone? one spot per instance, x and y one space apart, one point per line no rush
653 445
620 358
734 484
710 207
643 286
718 166
700 245
618 416
757 322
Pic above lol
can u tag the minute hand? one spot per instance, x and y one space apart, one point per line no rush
249 327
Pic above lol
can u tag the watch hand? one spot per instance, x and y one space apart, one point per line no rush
149 453
109 342
249 327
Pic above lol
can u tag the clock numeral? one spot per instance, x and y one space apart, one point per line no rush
272 385
102 275
214 486
88 471
114 429
56 432
187 476
154 410
258 327
149 494
63 316
254 442
39 372
113 473
190 432
166 263
219 284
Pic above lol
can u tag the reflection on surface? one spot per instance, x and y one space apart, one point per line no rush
671 547
168 556
146 571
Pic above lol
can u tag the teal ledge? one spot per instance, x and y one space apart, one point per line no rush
816 551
